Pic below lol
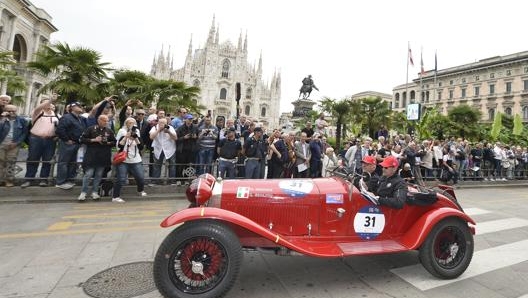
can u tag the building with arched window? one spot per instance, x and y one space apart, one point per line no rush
216 68
24 28
492 85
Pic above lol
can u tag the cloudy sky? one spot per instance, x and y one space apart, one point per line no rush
347 46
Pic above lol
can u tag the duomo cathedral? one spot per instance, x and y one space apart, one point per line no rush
216 68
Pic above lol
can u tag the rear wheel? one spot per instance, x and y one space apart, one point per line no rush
199 259
448 249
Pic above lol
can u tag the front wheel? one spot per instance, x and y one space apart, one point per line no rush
448 249
199 259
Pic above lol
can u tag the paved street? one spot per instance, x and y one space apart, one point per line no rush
51 249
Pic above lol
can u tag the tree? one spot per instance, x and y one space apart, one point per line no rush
168 94
463 119
339 111
375 113
15 83
77 72
433 125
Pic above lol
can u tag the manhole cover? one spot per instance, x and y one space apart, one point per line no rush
123 281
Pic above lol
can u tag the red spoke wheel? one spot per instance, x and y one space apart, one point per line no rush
448 249
198 259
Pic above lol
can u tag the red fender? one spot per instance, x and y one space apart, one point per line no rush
244 222
419 231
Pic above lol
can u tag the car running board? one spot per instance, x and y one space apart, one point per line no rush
371 247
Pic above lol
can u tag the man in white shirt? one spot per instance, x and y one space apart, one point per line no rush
498 151
163 138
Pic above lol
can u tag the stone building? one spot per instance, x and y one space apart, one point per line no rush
491 85
216 68
24 28
366 94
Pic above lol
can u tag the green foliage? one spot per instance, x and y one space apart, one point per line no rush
517 125
168 94
496 126
398 122
339 111
76 72
376 112
463 120
15 83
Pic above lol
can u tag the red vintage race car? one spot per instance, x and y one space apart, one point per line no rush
323 217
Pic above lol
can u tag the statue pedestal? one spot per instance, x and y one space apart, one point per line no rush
301 107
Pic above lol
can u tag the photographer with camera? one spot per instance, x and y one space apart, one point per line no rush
104 107
207 135
163 138
128 110
128 140
99 140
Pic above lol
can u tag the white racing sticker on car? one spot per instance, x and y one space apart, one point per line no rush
242 192
369 222
296 188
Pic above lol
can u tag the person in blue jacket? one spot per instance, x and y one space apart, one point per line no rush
13 132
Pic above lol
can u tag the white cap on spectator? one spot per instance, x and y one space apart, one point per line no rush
152 117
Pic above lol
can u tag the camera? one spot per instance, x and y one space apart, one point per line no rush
134 132
167 128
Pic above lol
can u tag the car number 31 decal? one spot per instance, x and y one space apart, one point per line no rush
369 222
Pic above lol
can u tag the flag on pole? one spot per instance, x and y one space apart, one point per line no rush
410 57
422 71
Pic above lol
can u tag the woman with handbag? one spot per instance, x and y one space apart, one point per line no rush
129 141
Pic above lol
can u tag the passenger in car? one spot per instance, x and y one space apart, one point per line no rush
392 189
370 177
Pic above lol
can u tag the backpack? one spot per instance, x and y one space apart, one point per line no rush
106 188
30 124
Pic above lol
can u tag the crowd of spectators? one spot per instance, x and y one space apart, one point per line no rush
189 145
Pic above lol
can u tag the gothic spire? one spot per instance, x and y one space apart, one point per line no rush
189 50
278 83
161 58
210 39
217 39
260 64
245 43
240 40
168 57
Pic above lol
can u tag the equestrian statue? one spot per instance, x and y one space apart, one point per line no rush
307 86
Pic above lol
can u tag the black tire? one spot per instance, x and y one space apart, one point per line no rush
198 259
448 249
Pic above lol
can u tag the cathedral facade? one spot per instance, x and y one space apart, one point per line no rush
216 68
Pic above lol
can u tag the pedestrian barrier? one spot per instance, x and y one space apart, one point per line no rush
186 172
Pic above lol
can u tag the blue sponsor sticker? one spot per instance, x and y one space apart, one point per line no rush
296 188
334 198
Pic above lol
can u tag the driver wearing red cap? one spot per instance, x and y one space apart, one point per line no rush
392 189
